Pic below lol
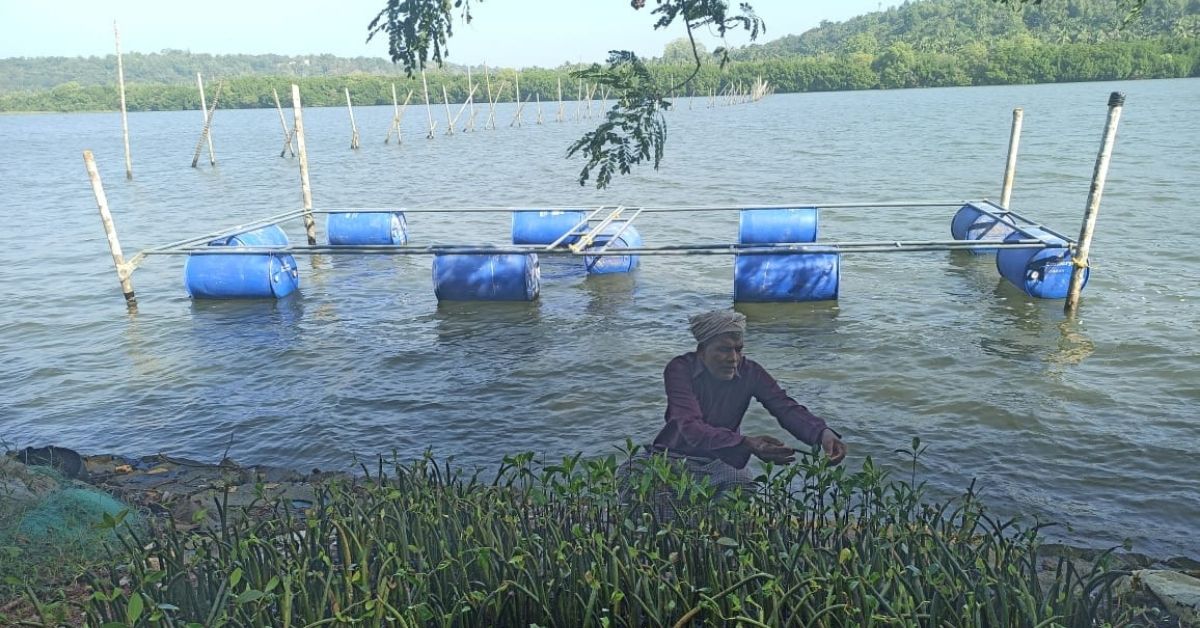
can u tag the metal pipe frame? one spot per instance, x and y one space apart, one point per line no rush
717 249
570 232
586 239
1000 212
628 224
662 208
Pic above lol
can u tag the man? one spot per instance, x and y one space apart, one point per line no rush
708 392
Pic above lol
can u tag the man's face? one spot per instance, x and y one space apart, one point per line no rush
721 355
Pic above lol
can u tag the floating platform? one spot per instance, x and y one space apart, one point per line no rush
778 255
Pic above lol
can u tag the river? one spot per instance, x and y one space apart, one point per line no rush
1090 422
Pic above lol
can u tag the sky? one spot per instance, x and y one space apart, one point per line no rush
512 33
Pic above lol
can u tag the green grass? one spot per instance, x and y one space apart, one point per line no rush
423 544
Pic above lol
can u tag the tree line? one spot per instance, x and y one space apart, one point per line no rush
931 43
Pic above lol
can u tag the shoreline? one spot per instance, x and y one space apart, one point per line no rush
195 497
163 484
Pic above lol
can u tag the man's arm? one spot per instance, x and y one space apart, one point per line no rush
795 418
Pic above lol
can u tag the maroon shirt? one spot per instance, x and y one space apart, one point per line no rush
704 413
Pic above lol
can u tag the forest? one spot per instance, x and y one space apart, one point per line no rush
927 43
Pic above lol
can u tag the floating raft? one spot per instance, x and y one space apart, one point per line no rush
777 256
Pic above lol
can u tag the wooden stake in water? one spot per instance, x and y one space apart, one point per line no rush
1116 101
470 99
561 115
1010 166
212 155
124 115
470 126
428 109
310 225
579 102
491 103
539 107
206 133
287 134
590 96
449 120
517 79
353 126
124 270
397 116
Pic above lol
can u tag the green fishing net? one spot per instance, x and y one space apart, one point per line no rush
48 521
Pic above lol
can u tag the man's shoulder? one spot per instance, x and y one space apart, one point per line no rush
750 367
684 361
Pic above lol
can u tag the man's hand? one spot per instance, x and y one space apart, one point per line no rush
770 449
833 446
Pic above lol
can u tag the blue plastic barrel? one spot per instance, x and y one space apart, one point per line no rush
1042 273
545 226
766 226
604 264
250 276
367 228
786 278
482 277
969 223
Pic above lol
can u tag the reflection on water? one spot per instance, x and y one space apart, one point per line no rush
819 317
481 331
610 294
1074 346
1034 330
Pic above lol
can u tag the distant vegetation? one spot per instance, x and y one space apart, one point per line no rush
930 43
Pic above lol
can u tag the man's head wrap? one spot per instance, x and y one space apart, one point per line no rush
709 325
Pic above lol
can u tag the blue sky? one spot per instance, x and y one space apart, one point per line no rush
504 32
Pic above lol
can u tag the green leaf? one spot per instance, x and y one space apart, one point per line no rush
133 612
250 595
235 577
727 542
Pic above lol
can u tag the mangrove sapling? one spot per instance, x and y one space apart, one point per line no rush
425 544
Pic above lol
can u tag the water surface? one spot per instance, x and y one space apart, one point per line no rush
1091 422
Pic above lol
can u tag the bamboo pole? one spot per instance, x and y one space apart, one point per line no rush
287 134
491 103
470 99
124 115
397 116
471 87
517 79
212 155
310 225
206 132
520 106
560 116
579 102
124 270
428 109
492 108
1010 166
591 94
449 120
1116 102
539 107
353 126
